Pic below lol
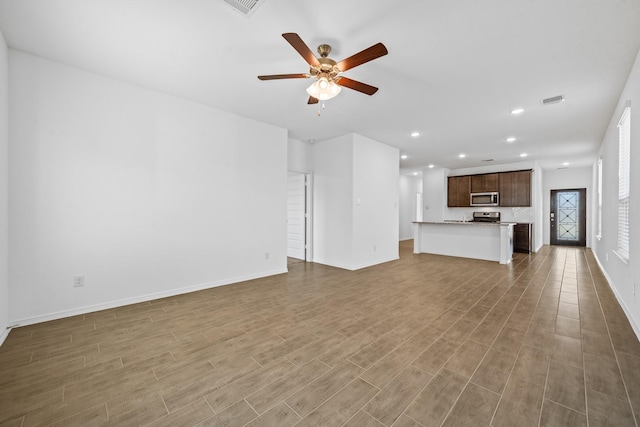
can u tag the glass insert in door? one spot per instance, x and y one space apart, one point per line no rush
568 227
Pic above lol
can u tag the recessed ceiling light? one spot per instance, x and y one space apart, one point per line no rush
511 139
404 156
462 155
431 166
566 164
415 173
517 111
415 134
523 155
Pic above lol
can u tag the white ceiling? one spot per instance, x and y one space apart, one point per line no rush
454 71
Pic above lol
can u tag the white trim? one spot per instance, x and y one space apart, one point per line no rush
4 334
357 267
139 299
627 312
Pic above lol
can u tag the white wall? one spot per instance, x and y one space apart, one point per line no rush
434 194
561 179
622 275
299 156
332 201
355 202
376 172
145 194
4 191
409 186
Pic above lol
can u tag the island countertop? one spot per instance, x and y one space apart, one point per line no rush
460 222
492 241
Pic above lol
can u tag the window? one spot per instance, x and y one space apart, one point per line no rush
599 229
624 141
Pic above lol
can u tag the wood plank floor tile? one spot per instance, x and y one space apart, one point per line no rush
436 355
280 415
554 415
310 397
603 375
520 404
341 406
255 380
238 414
434 403
565 385
608 411
567 350
494 371
284 387
188 416
94 416
475 407
466 359
392 400
389 366
263 349
362 419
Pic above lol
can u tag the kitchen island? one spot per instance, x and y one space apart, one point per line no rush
479 240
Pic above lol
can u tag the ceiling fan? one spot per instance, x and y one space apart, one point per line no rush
327 71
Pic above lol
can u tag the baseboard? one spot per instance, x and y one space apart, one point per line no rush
627 312
4 334
376 262
136 300
358 266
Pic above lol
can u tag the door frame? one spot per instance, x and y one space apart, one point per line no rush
582 218
308 184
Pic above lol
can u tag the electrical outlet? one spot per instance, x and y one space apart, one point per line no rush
78 281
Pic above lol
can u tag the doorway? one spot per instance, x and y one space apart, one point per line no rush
297 215
568 222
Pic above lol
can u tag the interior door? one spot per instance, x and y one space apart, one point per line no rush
296 210
568 217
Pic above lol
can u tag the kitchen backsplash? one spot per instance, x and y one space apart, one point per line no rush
506 214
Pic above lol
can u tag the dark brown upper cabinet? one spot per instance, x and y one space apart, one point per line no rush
515 188
485 183
458 191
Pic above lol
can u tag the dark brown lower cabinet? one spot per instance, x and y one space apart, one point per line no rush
522 238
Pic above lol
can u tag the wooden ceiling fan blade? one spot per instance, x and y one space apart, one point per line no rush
312 100
304 51
369 54
284 76
356 85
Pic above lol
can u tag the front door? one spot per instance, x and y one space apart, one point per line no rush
568 217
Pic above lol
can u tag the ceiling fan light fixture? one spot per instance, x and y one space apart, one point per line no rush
323 89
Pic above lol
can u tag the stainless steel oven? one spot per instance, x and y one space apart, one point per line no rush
485 199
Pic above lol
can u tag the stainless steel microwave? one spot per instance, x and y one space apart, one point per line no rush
485 199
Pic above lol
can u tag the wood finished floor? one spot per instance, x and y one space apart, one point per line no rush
423 341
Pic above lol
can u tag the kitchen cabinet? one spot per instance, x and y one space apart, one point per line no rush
522 238
515 188
485 183
459 191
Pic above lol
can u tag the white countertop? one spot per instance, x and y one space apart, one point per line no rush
459 222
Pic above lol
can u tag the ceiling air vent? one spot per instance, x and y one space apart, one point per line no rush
553 100
246 7
487 160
